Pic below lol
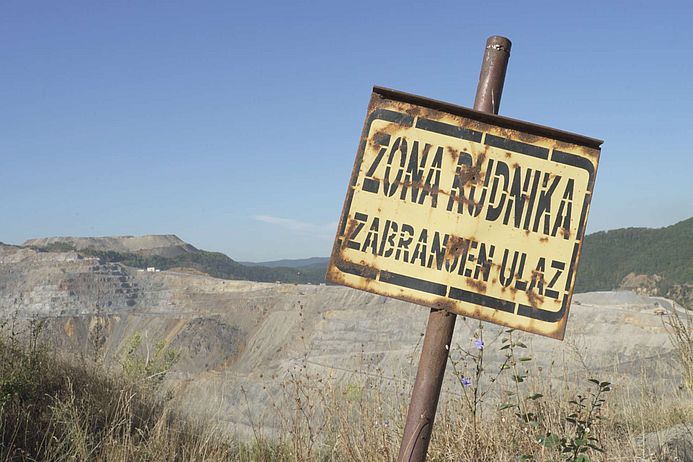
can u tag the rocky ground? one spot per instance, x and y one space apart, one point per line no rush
240 341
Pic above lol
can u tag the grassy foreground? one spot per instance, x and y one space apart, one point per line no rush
55 408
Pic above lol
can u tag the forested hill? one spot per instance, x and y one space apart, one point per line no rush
608 256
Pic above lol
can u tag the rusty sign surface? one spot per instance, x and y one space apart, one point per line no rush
466 211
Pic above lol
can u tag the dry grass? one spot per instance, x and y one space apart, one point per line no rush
679 326
362 421
54 409
59 409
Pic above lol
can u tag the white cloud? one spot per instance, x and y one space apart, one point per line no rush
326 230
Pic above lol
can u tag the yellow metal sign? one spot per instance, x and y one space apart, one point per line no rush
455 209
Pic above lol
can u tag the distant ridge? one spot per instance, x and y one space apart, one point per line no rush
288 263
165 245
607 258
169 252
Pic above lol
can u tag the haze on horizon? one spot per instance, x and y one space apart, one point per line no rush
235 125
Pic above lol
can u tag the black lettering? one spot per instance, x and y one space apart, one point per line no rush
519 283
559 266
502 172
403 244
369 183
544 204
464 163
389 234
389 186
420 250
507 280
538 277
532 197
361 220
372 237
471 257
475 207
415 169
432 182
437 251
484 261
565 211
517 197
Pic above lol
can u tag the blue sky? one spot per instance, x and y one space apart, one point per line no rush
234 124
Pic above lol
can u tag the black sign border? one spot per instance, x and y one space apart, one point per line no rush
381 95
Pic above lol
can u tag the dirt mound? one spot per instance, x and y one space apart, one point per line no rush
641 283
166 245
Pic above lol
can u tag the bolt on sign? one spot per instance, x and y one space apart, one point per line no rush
466 211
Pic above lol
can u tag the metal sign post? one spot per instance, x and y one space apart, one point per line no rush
441 324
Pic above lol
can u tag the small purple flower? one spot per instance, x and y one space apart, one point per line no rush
466 382
479 344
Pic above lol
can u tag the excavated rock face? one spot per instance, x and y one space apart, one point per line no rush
239 341
655 285
50 284
207 344
641 284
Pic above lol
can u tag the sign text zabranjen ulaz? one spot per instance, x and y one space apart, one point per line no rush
517 196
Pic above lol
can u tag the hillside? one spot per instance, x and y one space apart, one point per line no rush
158 244
168 252
290 263
609 256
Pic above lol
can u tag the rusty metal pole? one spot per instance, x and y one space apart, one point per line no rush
441 324
492 76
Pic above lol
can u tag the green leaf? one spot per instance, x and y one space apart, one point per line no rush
505 406
526 358
550 440
582 458
535 396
